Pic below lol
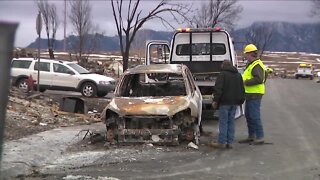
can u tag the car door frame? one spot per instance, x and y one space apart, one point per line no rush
45 76
63 80
149 44
195 93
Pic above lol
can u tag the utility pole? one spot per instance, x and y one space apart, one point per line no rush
7 34
65 26
38 28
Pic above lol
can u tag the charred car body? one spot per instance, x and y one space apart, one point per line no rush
154 103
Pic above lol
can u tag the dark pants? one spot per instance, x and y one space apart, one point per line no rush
252 114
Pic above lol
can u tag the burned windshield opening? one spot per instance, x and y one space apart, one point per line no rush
153 84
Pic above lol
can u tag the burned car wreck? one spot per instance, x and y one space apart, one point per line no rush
157 103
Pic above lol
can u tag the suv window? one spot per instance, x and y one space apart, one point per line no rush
78 68
21 64
43 66
59 68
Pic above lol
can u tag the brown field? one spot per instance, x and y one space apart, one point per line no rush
288 61
280 62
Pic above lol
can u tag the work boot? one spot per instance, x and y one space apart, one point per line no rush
258 141
217 145
248 140
229 146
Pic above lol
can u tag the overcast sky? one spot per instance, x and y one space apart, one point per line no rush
25 12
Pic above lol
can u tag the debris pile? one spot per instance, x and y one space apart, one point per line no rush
36 113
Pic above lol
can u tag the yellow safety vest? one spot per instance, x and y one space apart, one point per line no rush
247 74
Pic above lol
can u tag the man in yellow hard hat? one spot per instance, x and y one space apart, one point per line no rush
254 77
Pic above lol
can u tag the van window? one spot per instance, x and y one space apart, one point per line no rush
21 64
201 49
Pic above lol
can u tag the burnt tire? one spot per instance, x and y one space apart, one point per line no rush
88 89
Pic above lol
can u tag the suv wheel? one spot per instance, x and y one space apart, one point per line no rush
89 89
22 84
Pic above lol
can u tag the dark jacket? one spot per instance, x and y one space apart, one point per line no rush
229 89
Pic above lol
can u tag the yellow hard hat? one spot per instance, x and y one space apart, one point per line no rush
250 48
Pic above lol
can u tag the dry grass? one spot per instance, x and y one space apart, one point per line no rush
288 61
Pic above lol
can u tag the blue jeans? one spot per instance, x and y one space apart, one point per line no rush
226 123
254 123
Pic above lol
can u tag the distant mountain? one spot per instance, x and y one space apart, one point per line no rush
288 37
107 43
104 43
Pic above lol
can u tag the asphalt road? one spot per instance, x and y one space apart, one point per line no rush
291 117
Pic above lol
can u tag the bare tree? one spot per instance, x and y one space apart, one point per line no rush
80 17
96 36
217 12
51 22
260 35
131 18
93 42
315 9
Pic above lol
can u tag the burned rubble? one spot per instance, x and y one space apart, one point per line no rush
29 114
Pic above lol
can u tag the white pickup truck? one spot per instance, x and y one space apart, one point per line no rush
203 51
304 71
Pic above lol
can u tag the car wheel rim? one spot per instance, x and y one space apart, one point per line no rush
88 90
23 86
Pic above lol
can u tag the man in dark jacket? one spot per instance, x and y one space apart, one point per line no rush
229 92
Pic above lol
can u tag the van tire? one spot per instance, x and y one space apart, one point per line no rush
22 84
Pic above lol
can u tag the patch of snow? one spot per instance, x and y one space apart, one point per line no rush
81 177
192 145
280 52
293 58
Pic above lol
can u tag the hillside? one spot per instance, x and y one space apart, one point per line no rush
287 37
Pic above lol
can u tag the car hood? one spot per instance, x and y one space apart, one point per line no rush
168 106
97 77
